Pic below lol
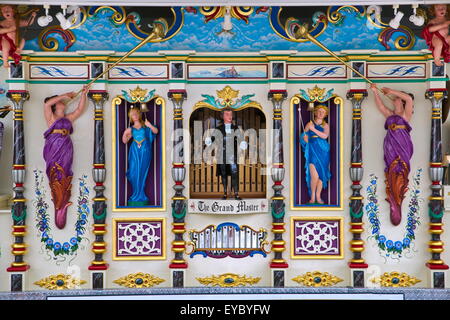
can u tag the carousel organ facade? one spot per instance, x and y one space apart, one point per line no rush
223 147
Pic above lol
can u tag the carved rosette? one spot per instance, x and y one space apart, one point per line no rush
99 175
436 200
277 201
356 174
19 208
179 201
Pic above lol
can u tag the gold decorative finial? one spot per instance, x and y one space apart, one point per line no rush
302 31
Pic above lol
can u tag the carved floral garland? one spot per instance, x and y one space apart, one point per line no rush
387 247
42 218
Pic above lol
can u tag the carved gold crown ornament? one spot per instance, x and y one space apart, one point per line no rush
316 93
317 279
139 95
227 94
60 282
227 98
228 280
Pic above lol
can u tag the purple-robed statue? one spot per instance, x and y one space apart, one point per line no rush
58 150
398 147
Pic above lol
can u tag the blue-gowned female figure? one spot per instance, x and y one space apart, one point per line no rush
139 156
317 153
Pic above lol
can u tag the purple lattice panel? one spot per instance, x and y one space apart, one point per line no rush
141 239
317 238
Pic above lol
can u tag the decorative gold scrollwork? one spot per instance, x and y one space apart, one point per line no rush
60 282
317 279
138 280
228 280
395 279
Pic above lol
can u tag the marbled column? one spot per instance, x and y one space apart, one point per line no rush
99 174
179 203
277 201
19 209
436 200
356 174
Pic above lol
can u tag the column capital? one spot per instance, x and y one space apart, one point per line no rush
357 94
176 95
277 94
98 96
18 96
277 97
437 94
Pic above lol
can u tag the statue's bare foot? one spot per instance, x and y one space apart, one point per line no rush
320 201
312 201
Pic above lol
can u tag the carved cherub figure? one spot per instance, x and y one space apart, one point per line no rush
8 34
436 35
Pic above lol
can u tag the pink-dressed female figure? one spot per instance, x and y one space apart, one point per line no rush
58 150
436 34
8 34
398 147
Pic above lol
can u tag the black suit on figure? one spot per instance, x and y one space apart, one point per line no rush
229 166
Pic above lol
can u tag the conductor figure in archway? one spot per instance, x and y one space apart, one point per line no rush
227 165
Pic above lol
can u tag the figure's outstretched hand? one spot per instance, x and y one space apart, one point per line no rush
70 95
85 89
374 87
386 90
305 137
147 123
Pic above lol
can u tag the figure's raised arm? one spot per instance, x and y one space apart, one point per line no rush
409 103
386 112
49 102
29 21
81 106
152 127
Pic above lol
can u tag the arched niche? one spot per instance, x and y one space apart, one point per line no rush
203 180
